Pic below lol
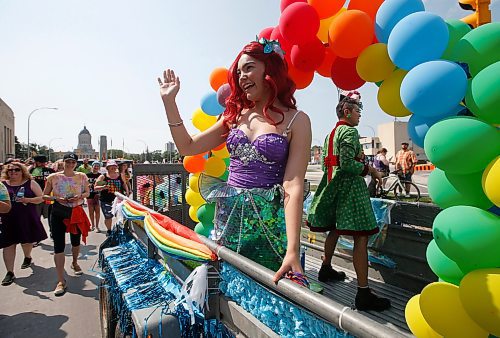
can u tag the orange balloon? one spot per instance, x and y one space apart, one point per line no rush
218 77
301 79
369 7
350 33
326 67
324 25
220 146
326 8
194 164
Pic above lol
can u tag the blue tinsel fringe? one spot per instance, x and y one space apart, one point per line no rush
283 317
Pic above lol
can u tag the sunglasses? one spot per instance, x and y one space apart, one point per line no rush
13 170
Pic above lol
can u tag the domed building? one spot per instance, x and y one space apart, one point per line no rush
84 148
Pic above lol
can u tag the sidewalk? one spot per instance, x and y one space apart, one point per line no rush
30 309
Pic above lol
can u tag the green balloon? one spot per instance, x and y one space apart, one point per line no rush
469 236
479 48
203 230
483 94
206 213
462 145
446 269
456 29
379 83
447 189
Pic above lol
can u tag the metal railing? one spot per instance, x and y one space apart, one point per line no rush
339 315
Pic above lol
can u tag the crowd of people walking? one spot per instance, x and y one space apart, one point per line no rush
32 190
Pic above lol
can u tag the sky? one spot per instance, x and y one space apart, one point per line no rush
97 62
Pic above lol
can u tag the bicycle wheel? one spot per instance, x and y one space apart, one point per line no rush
402 193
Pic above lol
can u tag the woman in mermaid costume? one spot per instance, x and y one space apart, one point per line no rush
259 208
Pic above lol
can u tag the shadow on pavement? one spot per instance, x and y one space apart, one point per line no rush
29 324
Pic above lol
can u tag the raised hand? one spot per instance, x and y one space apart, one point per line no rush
170 85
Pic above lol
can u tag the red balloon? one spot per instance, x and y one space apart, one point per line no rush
327 8
299 23
369 7
266 33
285 3
325 69
350 33
301 79
285 45
308 57
344 74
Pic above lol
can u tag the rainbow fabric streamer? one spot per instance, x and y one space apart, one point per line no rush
172 238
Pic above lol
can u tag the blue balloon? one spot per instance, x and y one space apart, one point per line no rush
433 88
210 105
418 125
417 38
391 12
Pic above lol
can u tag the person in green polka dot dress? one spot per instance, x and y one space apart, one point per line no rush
341 204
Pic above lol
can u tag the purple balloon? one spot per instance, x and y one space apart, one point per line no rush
223 93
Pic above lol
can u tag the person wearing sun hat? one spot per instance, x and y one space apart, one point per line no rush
93 199
107 184
69 188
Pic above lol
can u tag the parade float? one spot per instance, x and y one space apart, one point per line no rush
443 74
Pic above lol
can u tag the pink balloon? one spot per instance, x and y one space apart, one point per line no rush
223 93
299 23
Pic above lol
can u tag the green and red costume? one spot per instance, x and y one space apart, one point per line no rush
342 202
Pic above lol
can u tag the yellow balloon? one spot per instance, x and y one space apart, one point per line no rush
194 198
215 166
491 181
374 64
324 25
480 295
388 95
202 121
192 213
416 321
442 309
223 153
193 182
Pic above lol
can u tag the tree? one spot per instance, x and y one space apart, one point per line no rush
117 153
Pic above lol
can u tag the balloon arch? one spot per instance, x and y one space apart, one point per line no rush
446 76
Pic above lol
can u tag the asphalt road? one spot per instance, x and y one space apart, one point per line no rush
30 309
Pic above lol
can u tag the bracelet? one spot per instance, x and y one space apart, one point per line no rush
176 124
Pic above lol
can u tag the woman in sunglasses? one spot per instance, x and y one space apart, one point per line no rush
21 225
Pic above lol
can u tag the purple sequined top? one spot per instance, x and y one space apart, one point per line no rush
257 164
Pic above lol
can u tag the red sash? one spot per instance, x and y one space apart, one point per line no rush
331 160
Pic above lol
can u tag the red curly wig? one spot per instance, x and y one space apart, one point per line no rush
276 75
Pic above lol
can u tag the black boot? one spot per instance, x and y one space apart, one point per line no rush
367 301
327 274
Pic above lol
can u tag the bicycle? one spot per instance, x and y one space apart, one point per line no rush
398 188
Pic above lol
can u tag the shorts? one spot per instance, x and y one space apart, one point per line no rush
107 209
93 200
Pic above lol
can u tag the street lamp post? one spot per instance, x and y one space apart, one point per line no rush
50 142
29 117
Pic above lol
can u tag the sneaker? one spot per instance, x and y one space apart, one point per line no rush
327 274
36 244
26 263
60 289
368 301
407 195
9 278
77 269
92 228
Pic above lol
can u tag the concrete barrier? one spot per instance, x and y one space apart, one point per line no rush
424 167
